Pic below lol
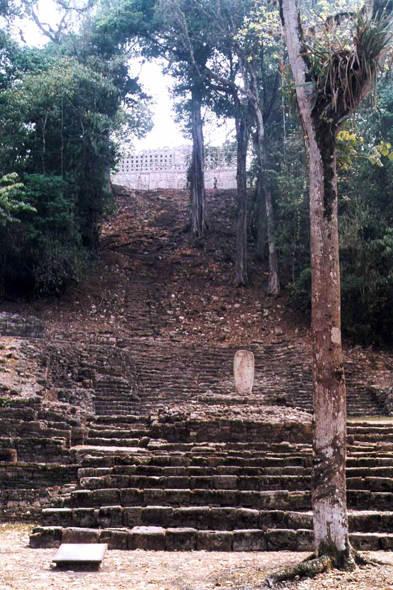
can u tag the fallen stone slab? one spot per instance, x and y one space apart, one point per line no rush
80 554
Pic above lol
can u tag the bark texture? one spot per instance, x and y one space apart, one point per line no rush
241 227
329 486
259 142
273 284
198 217
261 228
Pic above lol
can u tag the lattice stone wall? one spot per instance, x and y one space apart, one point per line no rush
167 168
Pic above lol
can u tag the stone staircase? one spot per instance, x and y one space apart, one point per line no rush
36 458
148 444
221 494
129 376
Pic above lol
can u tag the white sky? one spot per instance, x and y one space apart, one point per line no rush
165 131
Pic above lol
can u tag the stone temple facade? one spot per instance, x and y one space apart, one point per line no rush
167 168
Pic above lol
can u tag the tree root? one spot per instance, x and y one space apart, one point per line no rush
313 566
308 568
364 560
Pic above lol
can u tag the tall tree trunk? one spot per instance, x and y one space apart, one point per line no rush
198 217
241 179
273 283
273 287
329 486
261 222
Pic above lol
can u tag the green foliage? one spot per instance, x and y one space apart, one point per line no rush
292 206
261 28
43 251
61 121
349 146
11 199
367 275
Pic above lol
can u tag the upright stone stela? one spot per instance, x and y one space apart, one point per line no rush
243 371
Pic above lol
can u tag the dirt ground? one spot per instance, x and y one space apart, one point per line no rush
22 568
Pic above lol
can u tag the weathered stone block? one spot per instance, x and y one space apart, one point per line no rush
57 516
80 554
110 516
356 483
250 499
79 535
247 518
249 483
85 517
178 482
115 538
225 482
299 520
223 519
273 519
305 540
215 541
91 483
365 541
46 537
227 498
8 455
379 484
132 516
243 370
148 538
177 497
203 497
181 539
194 517
105 497
367 521
130 497
81 498
386 542
386 521
249 540
158 515
281 540
118 481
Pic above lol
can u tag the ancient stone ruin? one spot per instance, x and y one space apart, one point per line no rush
168 466
128 432
167 168
243 369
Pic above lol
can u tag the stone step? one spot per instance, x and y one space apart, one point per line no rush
198 457
31 448
205 518
127 497
112 442
199 517
370 471
36 475
369 462
374 484
213 482
121 419
190 471
120 430
377 438
190 539
369 428
369 499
